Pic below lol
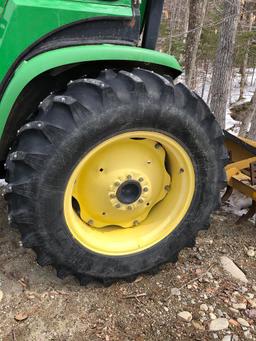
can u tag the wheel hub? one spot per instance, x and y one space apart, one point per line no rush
129 192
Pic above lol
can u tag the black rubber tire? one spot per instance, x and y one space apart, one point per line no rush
67 126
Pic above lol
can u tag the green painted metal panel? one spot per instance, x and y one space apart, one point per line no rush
143 7
113 3
2 4
23 22
46 61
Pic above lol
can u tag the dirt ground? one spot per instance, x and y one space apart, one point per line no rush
36 305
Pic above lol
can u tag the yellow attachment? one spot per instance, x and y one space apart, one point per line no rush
235 167
129 192
240 171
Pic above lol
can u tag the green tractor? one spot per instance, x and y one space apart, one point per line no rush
111 168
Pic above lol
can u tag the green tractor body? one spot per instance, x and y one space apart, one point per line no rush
111 169
43 38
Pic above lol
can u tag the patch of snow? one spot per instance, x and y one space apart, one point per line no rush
2 183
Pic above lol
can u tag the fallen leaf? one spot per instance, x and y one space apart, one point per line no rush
234 323
139 279
21 316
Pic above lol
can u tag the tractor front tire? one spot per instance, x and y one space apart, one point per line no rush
115 176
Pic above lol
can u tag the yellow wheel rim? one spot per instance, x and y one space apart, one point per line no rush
129 193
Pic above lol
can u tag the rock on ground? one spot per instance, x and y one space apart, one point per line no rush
230 267
243 322
218 324
185 315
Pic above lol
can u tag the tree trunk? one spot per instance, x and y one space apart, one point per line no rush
197 10
209 94
173 11
245 59
222 70
252 79
252 114
230 93
206 67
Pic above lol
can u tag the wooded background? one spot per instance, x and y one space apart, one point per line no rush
215 40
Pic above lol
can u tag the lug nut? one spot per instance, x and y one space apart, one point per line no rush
141 201
136 223
167 188
158 145
90 223
117 183
145 189
129 208
129 177
112 196
141 179
117 206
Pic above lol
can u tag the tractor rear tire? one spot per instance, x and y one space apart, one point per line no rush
146 109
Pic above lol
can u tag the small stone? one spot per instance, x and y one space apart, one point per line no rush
175 292
1 295
166 309
230 267
243 290
212 316
220 313
251 252
198 272
235 311
249 296
251 313
227 338
247 334
218 324
198 325
185 316
252 303
254 288
239 306
215 336
204 307
243 322
209 275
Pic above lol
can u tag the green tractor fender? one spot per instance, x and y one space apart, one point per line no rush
50 71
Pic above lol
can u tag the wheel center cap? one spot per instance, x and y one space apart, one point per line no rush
129 192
